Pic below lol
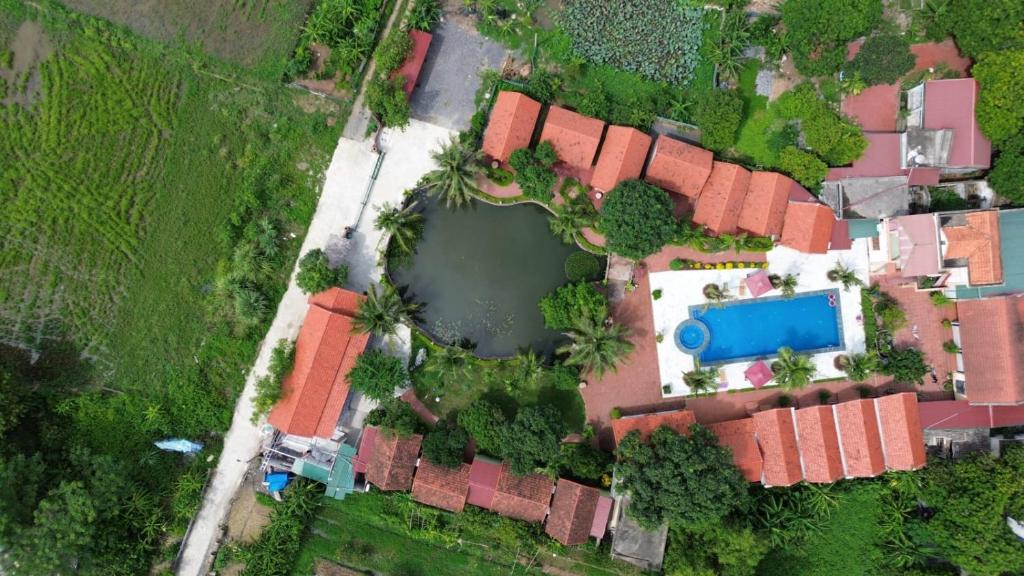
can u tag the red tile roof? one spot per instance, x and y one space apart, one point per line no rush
679 167
808 227
678 420
524 498
991 336
441 487
917 237
483 481
738 436
367 446
776 434
978 242
721 200
314 393
572 512
959 414
875 109
511 125
819 444
414 62
950 104
764 207
575 137
880 158
622 157
902 436
860 438
601 515
337 300
394 461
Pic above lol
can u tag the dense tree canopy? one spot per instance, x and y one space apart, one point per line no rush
395 417
584 462
883 59
1000 115
445 445
533 440
533 170
971 499
982 26
637 219
316 275
1007 175
905 365
567 303
718 114
722 549
687 480
378 375
818 30
484 422
803 166
833 138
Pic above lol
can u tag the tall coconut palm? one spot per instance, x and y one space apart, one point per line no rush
793 371
528 366
700 381
404 225
596 346
567 222
859 366
382 311
716 295
845 276
449 363
458 164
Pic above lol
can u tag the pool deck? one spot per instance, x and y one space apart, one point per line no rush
684 288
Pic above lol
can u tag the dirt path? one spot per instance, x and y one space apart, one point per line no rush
407 157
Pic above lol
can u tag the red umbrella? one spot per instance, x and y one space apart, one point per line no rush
759 373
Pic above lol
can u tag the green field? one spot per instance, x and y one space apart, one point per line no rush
154 202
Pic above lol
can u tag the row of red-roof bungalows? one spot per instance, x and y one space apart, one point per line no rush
726 198
571 512
819 444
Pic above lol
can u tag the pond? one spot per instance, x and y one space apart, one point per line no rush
479 273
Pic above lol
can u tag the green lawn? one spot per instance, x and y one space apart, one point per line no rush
758 140
494 380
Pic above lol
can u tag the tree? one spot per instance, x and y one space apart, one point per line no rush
718 114
382 311
596 346
687 480
533 440
450 364
818 30
584 462
533 169
834 139
563 307
404 225
453 179
316 275
804 167
583 267
485 423
725 549
859 366
998 112
882 59
62 530
445 445
567 222
971 499
734 37
793 371
906 366
700 381
986 26
392 51
788 284
394 417
1007 175
387 100
845 276
268 388
12 405
528 366
378 375
637 219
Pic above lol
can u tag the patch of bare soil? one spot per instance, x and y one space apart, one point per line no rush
324 568
545 15
22 80
312 80
247 517
763 6
785 78
455 11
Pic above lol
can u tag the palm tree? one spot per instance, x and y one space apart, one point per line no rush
567 222
528 366
716 295
859 366
793 371
452 180
382 311
448 363
700 381
844 276
405 225
787 284
596 346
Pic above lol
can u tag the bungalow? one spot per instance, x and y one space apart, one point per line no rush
721 200
441 487
574 137
622 157
511 125
679 167
990 332
577 513
764 206
808 227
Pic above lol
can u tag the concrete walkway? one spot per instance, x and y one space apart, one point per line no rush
407 158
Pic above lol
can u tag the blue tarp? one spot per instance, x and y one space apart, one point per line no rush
276 481
178 445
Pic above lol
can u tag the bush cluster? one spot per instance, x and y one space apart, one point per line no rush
883 59
804 167
563 307
533 170
268 388
817 30
316 275
718 114
582 267
835 140
637 219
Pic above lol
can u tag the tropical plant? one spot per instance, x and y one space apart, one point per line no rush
563 307
951 347
859 366
637 219
392 51
787 285
485 423
424 14
453 179
882 59
449 363
268 387
1007 175
718 113
804 167
316 275
716 294
445 445
940 299
986 27
833 138
382 311
378 375
793 371
404 225
843 275
701 381
533 439
567 222
818 30
596 346
528 366
533 170
395 417
906 366
889 312
728 52
582 267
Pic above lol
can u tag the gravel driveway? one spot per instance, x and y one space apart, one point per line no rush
451 74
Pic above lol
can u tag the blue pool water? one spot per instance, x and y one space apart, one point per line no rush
748 329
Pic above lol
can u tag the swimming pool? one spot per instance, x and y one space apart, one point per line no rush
747 329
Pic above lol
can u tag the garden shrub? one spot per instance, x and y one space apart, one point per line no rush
565 377
279 543
656 39
392 51
637 219
378 375
582 267
533 440
316 275
268 387
817 30
803 166
883 59
500 176
999 113
1007 175
906 366
584 462
533 171
445 445
567 304
889 312
347 27
386 98
677 264
986 26
836 140
718 114
395 417
484 422
424 15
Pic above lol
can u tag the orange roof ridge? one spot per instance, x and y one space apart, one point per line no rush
678 420
991 332
622 157
574 137
764 207
978 241
738 436
394 461
776 434
819 444
721 199
441 487
679 167
859 437
902 436
572 512
511 124
807 227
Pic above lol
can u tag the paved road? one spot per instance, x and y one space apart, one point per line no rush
407 158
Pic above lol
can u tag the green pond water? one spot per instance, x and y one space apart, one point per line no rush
480 271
